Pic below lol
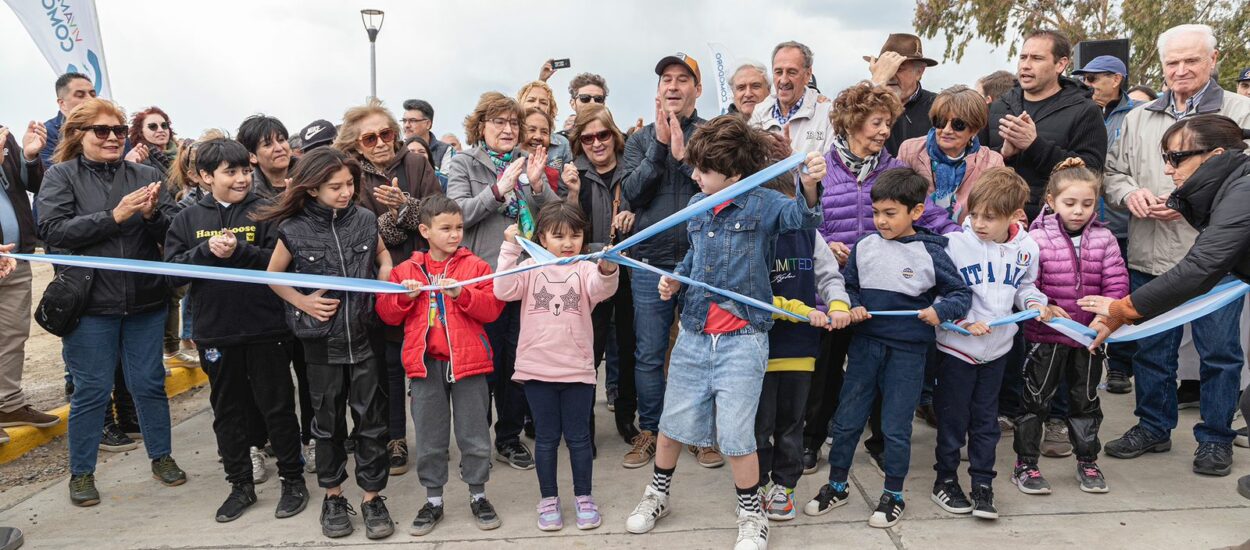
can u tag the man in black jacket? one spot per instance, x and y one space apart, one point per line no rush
20 172
239 328
899 67
1046 118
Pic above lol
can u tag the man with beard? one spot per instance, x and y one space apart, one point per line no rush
899 67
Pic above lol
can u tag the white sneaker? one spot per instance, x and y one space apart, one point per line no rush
752 531
259 473
310 457
1242 439
654 505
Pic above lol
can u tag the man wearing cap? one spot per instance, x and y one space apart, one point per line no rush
657 183
899 67
1105 74
795 109
418 121
1243 82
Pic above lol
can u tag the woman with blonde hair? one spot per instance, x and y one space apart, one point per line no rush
538 95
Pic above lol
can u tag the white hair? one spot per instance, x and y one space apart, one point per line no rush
752 64
1204 31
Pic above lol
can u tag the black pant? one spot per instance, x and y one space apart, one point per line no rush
779 427
510 406
253 376
822 398
1047 364
965 400
127 417
397 391
334 390
620 308
300 366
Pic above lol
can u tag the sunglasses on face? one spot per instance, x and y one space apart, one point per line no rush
957 125
601 137
1175 158
152 126
587 98
370 139
102 131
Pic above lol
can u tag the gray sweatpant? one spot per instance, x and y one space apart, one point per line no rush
433 401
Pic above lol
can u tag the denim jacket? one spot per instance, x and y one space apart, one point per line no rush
732 250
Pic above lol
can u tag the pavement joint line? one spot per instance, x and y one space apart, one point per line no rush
895 538
952 517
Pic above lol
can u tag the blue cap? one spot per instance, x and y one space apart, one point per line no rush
1104 64
1244 76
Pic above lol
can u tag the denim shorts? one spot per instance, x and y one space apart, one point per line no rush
713 390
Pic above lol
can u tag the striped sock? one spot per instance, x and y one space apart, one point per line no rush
662 478
749 500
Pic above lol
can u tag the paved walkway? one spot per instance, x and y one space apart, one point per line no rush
1155 502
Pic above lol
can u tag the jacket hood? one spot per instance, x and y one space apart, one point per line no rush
418 257
1070 92
1195 199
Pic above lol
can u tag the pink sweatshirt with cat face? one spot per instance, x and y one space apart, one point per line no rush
557 335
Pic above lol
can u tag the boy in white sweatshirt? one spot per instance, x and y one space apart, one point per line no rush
998 261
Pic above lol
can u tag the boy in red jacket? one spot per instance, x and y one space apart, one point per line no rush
446 355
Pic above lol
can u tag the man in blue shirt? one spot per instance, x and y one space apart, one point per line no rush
71 90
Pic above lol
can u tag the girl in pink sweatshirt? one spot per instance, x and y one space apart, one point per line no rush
554 359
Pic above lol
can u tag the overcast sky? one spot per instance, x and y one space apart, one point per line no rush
210 64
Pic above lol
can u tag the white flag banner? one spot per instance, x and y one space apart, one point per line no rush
67 33
722 66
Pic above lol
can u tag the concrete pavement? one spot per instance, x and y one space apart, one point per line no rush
1155 502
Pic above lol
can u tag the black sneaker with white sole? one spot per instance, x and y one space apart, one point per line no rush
1213 459
1090 477
983 502
515 454
827 499
950 497
426 519
889 511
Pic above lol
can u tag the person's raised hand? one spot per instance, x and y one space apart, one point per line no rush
536 168
34 140
547 70
662 133
1141 202
137 155
815 172
508 180
572 181
885 67
677 140
148 207
389 196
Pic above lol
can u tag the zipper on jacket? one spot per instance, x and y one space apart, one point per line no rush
347 304
1076 258
451 352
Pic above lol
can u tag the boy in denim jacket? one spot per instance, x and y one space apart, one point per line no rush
718 363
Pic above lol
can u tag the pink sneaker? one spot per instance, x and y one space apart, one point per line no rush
549 517
587 513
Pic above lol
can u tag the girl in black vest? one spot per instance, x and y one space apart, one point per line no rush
322 231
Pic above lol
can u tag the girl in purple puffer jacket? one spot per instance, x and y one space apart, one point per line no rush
1079 257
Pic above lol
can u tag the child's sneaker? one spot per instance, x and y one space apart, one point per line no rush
549 515
828 499
1029 479
426 519
889 511
587 513
950 497
779 505
752 531
653 506
1090 477
484 514
983 502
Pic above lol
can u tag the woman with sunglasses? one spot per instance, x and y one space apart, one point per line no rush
393 180
151 129
950 156
1205 155
94 203
593 182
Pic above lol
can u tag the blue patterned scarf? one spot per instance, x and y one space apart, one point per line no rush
948 172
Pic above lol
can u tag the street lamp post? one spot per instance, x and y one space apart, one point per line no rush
372 20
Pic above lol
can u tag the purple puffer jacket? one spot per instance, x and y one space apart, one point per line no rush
848 203
1101 269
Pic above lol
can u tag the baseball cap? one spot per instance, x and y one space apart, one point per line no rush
1244 75
680 59
1104 64
320 132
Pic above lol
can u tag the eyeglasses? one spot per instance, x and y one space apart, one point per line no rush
602 137
587 98
370 139
413 120
152 126
1091 78
1175 158
102 131
957 124
505 122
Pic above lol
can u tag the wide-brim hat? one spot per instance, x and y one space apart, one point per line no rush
906 45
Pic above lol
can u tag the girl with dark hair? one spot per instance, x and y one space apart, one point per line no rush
322 231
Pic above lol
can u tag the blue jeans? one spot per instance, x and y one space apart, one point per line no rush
561 409
1217 338
653 318
1120 356
91 353
716 382
897 374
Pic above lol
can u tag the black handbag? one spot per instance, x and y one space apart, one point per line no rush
63 301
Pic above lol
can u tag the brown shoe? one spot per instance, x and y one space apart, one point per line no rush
642 452
708 457
28 416
4 436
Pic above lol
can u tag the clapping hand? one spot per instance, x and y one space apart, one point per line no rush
223 245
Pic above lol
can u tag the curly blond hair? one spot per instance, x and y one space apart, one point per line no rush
855 104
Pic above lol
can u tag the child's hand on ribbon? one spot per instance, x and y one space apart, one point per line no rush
510 233
929 316
1044 312
413 286
977 328
818 319
668 287
839 320
451 291
859 314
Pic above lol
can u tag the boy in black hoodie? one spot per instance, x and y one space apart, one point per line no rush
243 340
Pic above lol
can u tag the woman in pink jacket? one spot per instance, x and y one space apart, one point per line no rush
951 157
554 357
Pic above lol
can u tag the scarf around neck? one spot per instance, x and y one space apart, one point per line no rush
859 167
948 173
